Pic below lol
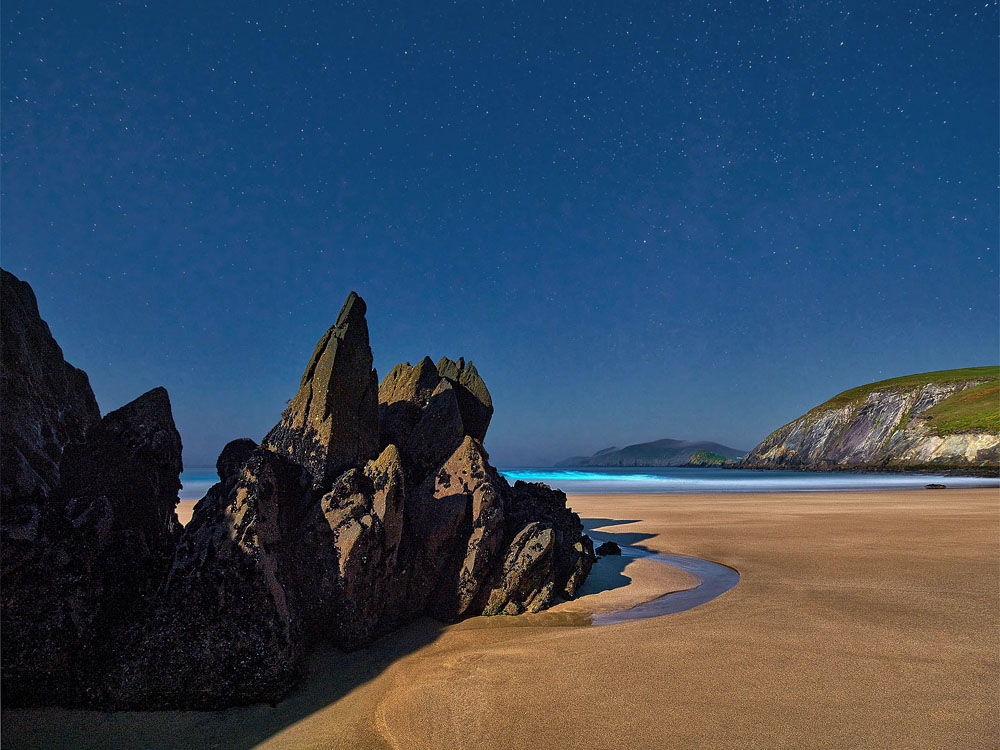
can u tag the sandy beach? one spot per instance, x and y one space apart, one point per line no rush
865 619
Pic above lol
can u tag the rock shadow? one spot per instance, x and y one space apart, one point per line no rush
331 675
608 572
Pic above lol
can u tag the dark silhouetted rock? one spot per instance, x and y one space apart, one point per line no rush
47 405
331 424
89 527
224 629
120 486
609 548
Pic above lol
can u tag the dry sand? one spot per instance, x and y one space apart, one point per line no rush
185 509
861 620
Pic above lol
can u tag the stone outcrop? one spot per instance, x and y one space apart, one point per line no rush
474 401
364 508
887 427
331 424
223 629
47 405
88 524
428 409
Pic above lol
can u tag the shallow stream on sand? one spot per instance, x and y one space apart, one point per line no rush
714 579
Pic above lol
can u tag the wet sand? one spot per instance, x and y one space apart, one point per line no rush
861 620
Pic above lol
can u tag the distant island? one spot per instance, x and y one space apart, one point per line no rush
946 420
665 452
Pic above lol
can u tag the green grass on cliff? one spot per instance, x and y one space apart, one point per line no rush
975 409
856 395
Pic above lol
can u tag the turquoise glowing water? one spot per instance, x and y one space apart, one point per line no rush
196 481
652 480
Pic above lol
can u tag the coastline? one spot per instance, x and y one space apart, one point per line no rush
861 619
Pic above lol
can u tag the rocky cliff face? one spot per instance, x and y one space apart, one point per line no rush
889 428
364 508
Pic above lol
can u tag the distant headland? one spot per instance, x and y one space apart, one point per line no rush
948 420
665 452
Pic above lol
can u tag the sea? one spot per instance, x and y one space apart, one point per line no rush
196 481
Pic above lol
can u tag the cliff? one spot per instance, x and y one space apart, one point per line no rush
664 452
943 421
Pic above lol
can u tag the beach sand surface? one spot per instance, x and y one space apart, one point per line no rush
865 619
184 510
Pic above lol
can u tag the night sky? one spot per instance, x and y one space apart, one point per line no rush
639 219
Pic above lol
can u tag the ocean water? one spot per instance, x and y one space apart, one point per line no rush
197 480
659 480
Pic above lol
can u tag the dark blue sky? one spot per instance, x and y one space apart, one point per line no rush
638 219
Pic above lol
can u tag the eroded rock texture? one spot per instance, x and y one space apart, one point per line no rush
886 430
366 507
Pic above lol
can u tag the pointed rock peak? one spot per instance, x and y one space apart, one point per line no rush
148 423
354 309
331 424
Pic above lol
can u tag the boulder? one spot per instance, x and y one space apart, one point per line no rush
120 487
233 456
331 424
526 581
608 548
574 551
345 552
88 525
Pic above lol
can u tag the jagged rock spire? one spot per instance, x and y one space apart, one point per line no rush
331 424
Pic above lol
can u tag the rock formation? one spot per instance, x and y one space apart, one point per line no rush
88 525
285 551
331 424
47 405
365 507
893 425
